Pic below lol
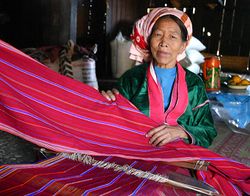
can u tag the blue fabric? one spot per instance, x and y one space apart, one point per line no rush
166 78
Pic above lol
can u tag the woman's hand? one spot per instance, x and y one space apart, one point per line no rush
110 94
164 134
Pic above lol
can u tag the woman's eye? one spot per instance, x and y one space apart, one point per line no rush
157 34
173 37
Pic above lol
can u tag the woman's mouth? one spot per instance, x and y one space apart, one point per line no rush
162 53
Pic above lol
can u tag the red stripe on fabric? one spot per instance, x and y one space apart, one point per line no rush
179 99
155 96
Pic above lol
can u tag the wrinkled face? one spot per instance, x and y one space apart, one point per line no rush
166 42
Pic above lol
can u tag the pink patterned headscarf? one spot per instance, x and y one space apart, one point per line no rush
140 50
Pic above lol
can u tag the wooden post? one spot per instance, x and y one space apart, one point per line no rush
73 20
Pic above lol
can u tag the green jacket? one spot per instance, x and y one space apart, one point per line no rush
197 119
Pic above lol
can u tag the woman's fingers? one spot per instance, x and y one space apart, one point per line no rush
155 130
110 95
164 134
160 138
115 91
104 94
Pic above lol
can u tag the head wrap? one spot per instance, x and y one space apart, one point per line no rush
139 50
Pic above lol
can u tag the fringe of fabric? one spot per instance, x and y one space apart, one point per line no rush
89 160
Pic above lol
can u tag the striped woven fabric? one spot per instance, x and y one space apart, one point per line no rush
64 115
61 176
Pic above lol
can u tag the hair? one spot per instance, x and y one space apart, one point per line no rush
184 33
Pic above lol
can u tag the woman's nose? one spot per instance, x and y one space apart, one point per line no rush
163 43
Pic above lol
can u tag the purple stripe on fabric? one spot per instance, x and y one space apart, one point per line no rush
5 173
66 178
45 144
218 159
236 189
71 113
203 176
80 138
64 88
143 182
74 136
4 168
13 168
107 184
54 161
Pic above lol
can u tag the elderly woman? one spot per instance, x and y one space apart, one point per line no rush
57 113
160 87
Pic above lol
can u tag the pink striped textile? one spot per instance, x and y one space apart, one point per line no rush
64 115
61 176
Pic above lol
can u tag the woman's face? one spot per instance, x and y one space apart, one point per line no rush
166 43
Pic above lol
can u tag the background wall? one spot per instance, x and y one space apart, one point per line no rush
29 23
